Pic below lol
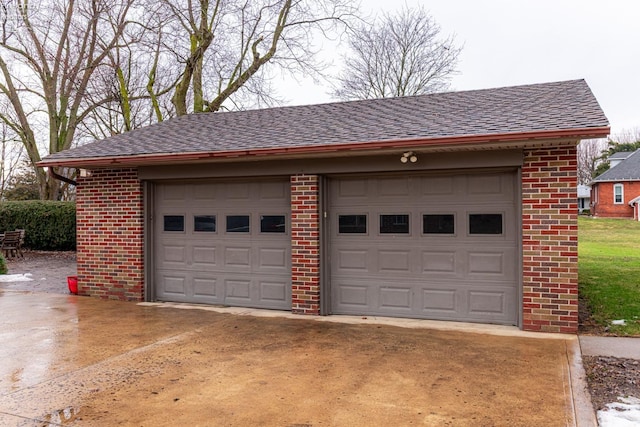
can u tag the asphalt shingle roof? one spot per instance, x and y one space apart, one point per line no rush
626 170
563 105
620 155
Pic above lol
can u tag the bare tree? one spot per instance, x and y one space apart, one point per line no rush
399 55
11 151
48 58
627 136
223 46
589 157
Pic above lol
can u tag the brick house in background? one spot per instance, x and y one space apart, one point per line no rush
452 206
615 193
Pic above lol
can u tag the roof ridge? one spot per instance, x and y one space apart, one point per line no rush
407 97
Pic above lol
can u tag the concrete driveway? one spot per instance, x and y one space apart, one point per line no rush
68 360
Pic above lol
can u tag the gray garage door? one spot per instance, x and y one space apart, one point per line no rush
223 243
433 247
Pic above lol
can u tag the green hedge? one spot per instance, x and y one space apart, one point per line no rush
49 225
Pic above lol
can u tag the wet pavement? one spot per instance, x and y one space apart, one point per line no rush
68 360
41 271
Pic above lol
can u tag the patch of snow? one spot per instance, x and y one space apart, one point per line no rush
16 277
624 413
619 322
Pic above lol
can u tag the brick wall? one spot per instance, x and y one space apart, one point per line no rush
305 245
110 235
605 207
550 240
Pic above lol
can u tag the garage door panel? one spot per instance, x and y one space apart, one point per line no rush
204 257
485 185
174 254
238 289
171 283
202 193
237 191
437 186
272 291
493 303
436 267
394 261
497 263
251 268
350 190
393 188
395 298
174 193
206 287
487 302
270 259
439 301
273 191
352 295
352 260
439 262
486 263
237 257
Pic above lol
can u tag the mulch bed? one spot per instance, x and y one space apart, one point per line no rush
607 377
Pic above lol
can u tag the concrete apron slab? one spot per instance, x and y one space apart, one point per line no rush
67 360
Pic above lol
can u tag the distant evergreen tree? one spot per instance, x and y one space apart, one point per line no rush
22 186
614 147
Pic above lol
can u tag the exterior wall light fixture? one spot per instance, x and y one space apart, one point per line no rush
409 156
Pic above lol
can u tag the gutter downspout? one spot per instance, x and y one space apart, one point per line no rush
59 177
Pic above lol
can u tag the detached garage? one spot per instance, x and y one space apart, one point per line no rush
454 206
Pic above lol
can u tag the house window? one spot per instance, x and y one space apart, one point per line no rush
618 195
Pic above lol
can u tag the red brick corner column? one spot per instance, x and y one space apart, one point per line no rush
550 240
109 216
305 245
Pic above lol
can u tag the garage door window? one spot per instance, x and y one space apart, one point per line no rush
204 223
173 223
438 224
485 224
352 224
272 224
238 224
394 224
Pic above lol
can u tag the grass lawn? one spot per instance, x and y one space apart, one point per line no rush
609 271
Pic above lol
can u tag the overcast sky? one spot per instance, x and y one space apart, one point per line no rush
513 42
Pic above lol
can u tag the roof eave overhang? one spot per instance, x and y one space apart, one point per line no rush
600 181
456 143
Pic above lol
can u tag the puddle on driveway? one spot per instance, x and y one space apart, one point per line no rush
61 417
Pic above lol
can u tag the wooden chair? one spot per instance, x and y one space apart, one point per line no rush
11 244
23 233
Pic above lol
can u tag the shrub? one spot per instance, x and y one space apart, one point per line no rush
49 225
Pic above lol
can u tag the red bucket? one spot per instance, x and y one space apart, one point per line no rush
72 281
